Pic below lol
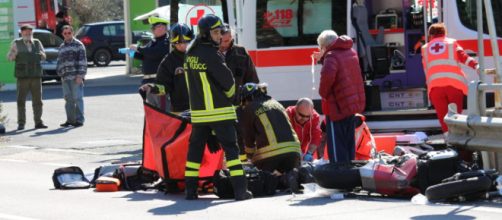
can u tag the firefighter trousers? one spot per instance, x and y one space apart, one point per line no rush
226 135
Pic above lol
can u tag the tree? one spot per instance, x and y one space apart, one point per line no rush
87 11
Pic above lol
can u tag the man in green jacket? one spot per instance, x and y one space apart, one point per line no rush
27 52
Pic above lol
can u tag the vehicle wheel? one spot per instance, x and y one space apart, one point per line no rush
102 57
338 176
450 190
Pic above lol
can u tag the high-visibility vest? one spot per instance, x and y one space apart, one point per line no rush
365 143
441 66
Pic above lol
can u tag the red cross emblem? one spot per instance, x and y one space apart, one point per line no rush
195 13
437 48
195 20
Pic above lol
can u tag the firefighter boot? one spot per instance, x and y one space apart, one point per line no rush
240 186
191 185
292 177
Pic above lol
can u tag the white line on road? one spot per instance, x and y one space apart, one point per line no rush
14 217
70 151
58 164
14 160
64 150
484 209
22 146
25 161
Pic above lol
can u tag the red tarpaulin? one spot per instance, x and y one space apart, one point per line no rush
165 146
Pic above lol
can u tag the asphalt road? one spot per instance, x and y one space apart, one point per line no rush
113 132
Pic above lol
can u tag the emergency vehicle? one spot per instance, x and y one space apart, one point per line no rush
15 13
280 36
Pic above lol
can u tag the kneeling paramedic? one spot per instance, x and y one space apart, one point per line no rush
211 88
270 141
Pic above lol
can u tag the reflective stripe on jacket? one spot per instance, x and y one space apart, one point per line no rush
267 130
210 84
442 65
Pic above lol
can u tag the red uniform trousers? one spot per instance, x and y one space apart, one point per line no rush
441 97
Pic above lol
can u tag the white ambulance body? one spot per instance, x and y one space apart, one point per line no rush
280 36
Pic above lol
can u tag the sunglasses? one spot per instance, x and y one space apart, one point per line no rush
302 115
66 33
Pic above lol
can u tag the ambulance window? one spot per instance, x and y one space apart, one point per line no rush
468 17
297 22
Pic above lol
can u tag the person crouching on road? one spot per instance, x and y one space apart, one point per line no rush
306 122
211 88
171 75
342 91
270 141
72 68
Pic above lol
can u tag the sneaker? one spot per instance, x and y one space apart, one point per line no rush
20 127
41 125
78 124
66 124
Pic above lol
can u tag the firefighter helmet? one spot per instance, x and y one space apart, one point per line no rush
181 33
250 90
207 23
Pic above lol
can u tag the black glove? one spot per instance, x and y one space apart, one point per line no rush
212 144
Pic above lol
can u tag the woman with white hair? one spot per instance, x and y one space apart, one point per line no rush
342 91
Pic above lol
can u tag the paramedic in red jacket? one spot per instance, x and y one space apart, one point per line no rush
446 82
305 121
342 91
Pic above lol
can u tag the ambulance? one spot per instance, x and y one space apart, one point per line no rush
280 36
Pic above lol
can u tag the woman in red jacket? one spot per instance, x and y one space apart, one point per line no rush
342 91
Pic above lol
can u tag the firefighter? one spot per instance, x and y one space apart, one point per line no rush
270 140
244 71
170 74
211 88
446 82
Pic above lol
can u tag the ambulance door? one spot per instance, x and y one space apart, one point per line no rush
460 19
284 35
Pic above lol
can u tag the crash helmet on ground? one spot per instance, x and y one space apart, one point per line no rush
206 24
181 33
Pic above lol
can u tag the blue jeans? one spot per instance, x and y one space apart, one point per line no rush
74 97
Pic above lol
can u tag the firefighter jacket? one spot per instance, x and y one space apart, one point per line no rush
171 80
441 59
267 131
242 67
210 84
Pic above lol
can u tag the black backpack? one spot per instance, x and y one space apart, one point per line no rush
70 178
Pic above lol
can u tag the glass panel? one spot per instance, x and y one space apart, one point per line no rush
468 17
297 22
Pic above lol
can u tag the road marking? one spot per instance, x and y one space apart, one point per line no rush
58 164
15 217
21 147
64 150
485 209
70 151
14 160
